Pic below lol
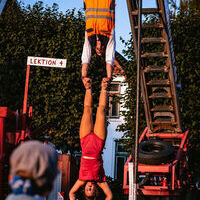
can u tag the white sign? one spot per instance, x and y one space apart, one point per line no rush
2 4
46 62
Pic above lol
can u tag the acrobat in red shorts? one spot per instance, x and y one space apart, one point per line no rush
92 169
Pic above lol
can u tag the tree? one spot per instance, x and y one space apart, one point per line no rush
12 71
194 4
186 38
55 94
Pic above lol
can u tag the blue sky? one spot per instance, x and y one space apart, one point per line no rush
122 18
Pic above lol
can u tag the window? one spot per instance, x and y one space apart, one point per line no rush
115 87
120 159
114 105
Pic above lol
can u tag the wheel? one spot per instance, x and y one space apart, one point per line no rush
155 152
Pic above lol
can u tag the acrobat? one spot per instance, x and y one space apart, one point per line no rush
91 173
99 33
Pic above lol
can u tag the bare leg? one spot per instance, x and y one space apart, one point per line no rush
100 125
86 126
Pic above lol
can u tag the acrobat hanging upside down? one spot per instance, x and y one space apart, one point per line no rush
92 138
99 33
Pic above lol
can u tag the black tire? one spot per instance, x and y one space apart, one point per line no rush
155 152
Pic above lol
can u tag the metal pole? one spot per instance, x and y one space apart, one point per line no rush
138 99
26 89
25 103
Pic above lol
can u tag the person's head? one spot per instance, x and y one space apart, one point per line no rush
35 162
90 190
99 43
100 49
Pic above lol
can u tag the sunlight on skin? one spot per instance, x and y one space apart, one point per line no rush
90 189
99 48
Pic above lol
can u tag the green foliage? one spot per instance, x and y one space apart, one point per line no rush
55 94
12 71
188 5
186 45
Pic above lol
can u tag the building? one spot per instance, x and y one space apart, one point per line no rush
114 156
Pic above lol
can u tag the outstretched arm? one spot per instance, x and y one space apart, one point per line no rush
106 189
75 188
84 70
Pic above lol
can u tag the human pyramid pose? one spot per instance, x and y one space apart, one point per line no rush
92 138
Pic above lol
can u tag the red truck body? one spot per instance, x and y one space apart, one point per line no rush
164 179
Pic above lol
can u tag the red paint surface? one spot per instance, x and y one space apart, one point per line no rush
166 188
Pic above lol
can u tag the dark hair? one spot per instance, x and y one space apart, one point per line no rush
96 193
93 40
90 198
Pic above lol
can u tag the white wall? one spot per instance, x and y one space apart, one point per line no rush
109 150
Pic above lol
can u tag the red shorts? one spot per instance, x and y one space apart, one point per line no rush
92 169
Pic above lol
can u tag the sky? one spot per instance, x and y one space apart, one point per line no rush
122 24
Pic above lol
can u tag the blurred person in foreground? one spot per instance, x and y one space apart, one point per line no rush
33 168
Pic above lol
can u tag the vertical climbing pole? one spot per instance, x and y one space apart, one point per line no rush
25 103
138 100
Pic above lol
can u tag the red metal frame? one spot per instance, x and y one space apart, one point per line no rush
11 138
2 152
25 102
173 170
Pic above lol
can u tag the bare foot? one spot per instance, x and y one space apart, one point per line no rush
87 82
105 83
